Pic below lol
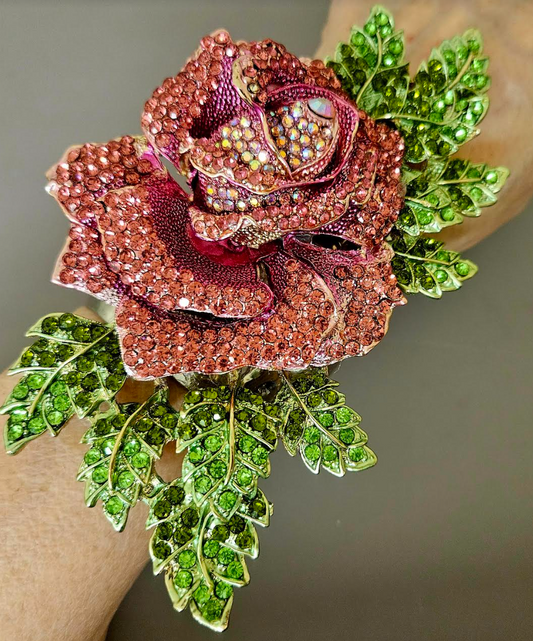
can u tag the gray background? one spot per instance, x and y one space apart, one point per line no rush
436 542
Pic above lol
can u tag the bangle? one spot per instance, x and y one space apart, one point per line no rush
316 191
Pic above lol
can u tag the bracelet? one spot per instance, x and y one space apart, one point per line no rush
315 190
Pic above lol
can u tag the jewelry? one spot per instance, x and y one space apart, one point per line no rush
314 190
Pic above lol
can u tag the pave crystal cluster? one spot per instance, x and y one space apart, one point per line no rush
276 258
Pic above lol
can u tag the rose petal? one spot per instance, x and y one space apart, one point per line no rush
286 338
365 291
147 244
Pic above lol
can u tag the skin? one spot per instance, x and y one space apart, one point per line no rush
49 591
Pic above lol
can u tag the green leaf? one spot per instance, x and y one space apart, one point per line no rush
422 265
446 191
125 440
73 367
446 101
371 65
318 424
203 556
206 519
440 109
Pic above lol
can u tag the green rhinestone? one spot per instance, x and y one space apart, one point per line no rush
201 594
161 550
20 391
329 453
140 460
210 394
187 559
220 533
243 416
189 517
107 446
72 378
155 436
312 435
182 535
169 421
259 422
162 509
90 382
441 275
211 548
370 28
203 484
82 334
447 213
260 455
97 331
235 570
212 610
157 410
246 444
58 388
40 345
330 396
223 590
194 396
476 193
202 418
183 579
144 424
227 500
55 418
84 363
101 427
225 556
92 456
62 403
15 432
35 381
196 454
103 358
326 419
357 454
83 399
114 382
36 425
27 358
244 541
463 269
347 435
67 321
388 60
236 524
164 531
460 134
125 480
18 416
217 469
343 414
491 177
131 447
259 507
114 506
120 419
99 474
314 400
49 325
312 452
244 477
46 359
395 47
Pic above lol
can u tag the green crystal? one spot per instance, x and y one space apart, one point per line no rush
187 559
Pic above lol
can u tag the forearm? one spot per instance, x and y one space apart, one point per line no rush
508 127
64 570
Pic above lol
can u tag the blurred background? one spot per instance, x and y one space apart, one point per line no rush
436 542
